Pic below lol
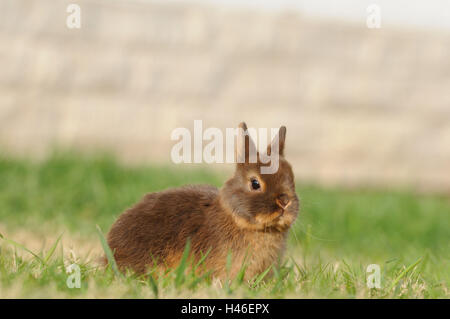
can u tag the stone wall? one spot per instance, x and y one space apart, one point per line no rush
361 106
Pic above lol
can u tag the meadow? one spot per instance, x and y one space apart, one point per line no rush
50 209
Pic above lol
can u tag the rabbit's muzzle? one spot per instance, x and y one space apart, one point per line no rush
283 201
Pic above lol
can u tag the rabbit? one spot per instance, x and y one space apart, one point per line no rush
247 219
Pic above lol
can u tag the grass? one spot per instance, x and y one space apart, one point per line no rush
49 211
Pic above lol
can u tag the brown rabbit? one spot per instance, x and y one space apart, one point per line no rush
248 217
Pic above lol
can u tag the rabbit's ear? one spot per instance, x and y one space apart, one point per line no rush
278 142
245 147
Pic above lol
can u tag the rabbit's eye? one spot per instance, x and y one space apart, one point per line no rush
255 183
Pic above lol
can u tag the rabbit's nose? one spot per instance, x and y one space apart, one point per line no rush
283 201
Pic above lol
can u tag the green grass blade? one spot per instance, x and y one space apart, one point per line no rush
180 271
241 274
404 272
18 245
154 286
197 280
52 249
202 259
261 276
108 252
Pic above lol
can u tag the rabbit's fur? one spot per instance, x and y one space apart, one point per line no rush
249 224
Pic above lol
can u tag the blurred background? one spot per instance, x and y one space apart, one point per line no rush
362 106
